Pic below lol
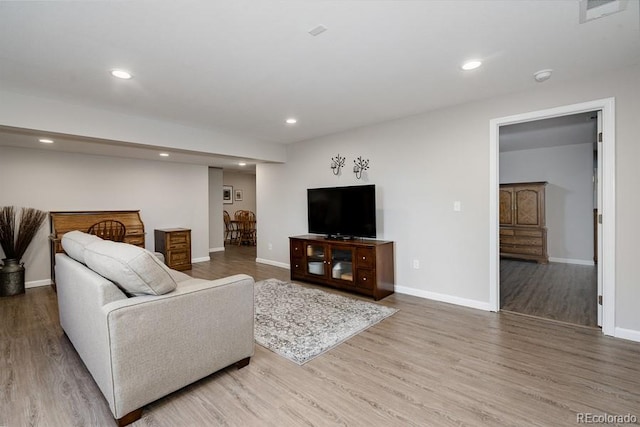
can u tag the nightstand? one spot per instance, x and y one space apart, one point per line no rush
175 245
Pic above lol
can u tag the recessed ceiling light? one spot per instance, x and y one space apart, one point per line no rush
471 65
291 121
164 154
46 140
242 164
121 74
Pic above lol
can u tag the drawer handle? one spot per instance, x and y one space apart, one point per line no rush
364 279
364 257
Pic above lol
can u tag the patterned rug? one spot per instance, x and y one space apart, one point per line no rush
301 323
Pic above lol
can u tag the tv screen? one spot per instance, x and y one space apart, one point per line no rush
342 212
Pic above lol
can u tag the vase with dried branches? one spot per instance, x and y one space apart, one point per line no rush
15 237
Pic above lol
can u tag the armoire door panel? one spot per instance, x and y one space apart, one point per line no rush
506 206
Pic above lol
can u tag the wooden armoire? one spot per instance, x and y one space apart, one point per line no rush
523 233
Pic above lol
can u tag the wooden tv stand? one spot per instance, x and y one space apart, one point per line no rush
359 265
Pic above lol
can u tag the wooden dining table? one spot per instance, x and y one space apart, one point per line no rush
243 231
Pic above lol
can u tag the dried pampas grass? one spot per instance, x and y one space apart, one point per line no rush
15 245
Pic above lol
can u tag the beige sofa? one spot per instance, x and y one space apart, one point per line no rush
141 348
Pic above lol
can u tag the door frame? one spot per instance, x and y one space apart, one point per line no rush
607 243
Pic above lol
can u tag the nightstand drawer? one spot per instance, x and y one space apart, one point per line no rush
179 258
178 239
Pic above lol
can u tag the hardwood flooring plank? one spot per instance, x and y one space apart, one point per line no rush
430 364
563 292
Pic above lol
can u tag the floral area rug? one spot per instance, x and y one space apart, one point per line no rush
301 323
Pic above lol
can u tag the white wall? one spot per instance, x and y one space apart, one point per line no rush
51 115
422 164
568 170
167 194
245 182
216 222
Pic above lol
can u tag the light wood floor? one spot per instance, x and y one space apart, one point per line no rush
431 364
563 292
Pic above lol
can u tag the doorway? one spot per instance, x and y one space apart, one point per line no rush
547 269
606 227
239 208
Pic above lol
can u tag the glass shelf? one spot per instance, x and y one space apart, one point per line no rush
315 252
342 264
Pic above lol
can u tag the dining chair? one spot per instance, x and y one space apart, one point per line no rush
230 228
246 221
109 229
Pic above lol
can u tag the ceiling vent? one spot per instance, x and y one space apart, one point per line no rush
317 30
594 9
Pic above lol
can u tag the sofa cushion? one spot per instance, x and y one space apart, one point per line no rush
135 270
75 242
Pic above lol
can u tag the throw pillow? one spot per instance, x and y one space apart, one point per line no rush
75 242
135 270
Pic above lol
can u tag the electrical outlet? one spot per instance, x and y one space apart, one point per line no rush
270 246
416 264
457 206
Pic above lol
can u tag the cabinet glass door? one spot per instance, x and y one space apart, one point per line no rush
342 264
315 259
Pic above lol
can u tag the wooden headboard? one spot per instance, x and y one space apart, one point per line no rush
63 222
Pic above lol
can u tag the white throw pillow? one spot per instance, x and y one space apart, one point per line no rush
136 270
75 242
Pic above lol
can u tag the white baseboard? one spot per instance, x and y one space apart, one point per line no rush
572 261
627 334
200 259
274 263
221 249
37 283
480 305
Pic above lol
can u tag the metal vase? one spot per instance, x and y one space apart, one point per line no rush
11 278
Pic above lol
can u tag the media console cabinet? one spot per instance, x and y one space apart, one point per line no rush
359 265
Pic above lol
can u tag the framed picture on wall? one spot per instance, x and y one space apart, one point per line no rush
238 195
227 194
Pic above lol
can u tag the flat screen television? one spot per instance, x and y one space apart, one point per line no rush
342 212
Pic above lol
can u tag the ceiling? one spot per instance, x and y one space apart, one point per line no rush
25 138
244 66
565 130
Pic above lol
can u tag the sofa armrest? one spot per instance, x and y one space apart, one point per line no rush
159 344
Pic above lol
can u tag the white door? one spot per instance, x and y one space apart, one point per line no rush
599 221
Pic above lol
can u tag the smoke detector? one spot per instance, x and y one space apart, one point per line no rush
542 75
